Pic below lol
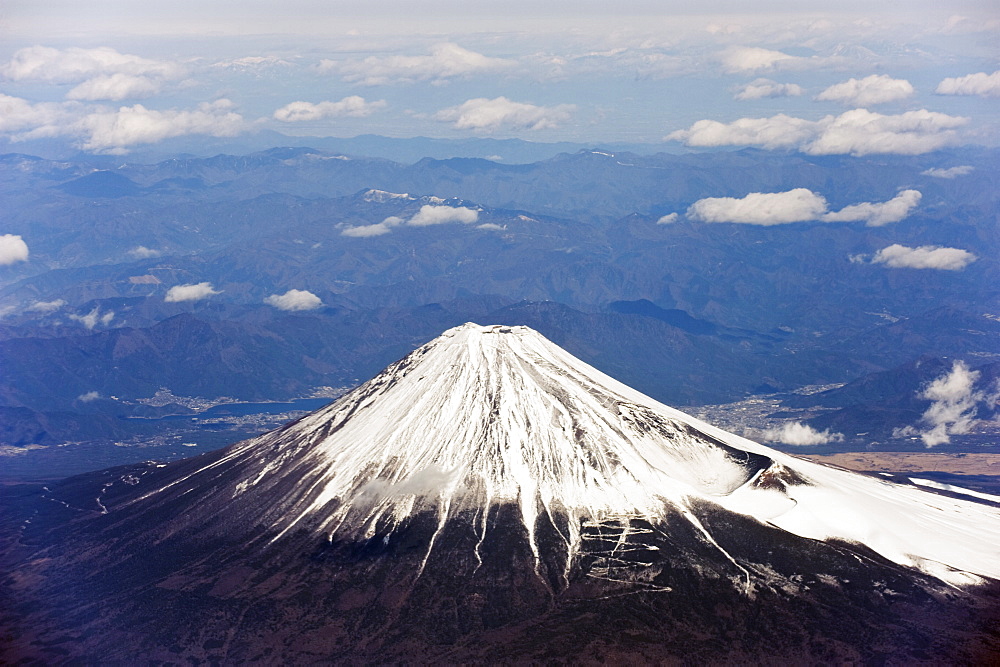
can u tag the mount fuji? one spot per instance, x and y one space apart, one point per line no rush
492 498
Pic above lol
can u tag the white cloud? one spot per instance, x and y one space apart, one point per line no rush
761 88
142 252
294 299
439 215
91 319
88 397
42 119
950 172
485 115
114 87
857 132
797 433
426 216
73 65
378 229
12 249
752 59
862 132
761 208
779 131
492 226
352 107
878 213
445 61
924 257
114 131
46 306
190 292
953 406
980 83
874 89
667 219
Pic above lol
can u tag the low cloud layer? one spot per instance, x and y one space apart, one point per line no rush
428 215
874 89
46 306
294 300
856 132
951 172
799 434
878 213
191 292
746 59
142 252
444 62
13 249
100 73
73 65
899 256
94 317
980 83
441 215
760 208
486 115
799 205
114 131
761 88
349 107
954 399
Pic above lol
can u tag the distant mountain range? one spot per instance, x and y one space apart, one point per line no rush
572 245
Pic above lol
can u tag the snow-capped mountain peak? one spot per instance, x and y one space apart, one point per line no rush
485 416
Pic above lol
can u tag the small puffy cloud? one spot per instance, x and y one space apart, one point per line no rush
294 299
440 215
855 132
445 61
88 397
13 249
752 59
761 88
485 115
980 83
924 257
191 292
114 131
878 213
114 87
492 227
950 172
378 229
428 215
799 434
874 89
352 107
142 252
779 131
953 406
94 317
72 65
862 132
761 208
46 306
667 219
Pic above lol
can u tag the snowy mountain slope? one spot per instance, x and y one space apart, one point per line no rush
486 416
